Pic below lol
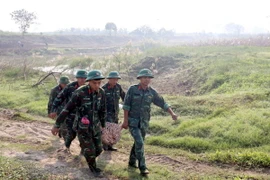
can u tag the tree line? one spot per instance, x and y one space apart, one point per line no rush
25 19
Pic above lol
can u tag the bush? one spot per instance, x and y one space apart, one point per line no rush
196 145
244 159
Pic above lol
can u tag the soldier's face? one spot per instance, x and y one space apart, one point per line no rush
145 81
63 86
81 81
95 84
113 81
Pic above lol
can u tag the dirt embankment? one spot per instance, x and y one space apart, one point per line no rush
37 41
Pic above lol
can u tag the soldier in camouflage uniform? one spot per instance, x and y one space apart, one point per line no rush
90 102
64 80
113 92
64 96
137 107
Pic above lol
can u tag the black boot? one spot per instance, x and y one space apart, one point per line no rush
110 148
105 147
132 165
93 168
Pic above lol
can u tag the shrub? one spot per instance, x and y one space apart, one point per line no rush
244 159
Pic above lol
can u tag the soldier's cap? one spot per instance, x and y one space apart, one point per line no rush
145 73
95 75
81 74
64 80
113 75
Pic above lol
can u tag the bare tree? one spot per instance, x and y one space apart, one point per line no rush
233 28
24 19
144 31
110 26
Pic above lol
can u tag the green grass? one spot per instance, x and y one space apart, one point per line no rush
244 158
238 121
17 95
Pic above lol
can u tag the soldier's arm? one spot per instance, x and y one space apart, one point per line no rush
159 101
70 106
103 111
60 98
51 98
122 94
126 107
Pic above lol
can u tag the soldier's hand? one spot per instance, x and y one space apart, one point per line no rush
125 125
174 116
55 131
53 115
102 129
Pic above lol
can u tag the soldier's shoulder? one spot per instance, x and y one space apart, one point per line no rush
82 88
101 89
104 86
153 90
55 88
119 85
72 84
134 86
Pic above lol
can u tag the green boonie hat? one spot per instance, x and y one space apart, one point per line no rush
64 80
81 74
145 73
94 75
113 75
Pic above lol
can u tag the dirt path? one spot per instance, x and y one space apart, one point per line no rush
33 142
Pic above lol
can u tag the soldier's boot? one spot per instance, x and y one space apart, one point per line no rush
67 150
60 133
132 164
93 168
111 148
67 144
143 169
105 147
144 172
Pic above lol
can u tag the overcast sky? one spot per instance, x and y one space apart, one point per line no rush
181 16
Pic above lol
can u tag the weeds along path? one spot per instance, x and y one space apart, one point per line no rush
32 142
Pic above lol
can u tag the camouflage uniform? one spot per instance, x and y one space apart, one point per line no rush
92 105
65 96
54 92
113 95
138 104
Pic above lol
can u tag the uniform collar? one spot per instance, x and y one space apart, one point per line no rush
140 88
90 91
110 86
59 87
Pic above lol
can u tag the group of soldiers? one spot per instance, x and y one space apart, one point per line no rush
83 107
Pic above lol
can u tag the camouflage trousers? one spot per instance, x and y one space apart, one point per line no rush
71 134
91 145
63 130
137 151
112 117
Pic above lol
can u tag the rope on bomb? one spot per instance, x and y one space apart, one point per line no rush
111 133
